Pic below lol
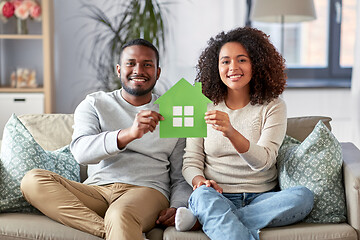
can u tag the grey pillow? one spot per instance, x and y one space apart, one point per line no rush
315 163
21 153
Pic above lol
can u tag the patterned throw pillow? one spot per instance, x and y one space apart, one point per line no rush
315 163
21 153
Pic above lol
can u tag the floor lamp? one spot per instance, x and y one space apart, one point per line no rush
282 11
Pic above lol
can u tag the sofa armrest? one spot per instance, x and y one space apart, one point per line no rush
351 169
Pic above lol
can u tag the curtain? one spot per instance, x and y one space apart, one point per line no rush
355 83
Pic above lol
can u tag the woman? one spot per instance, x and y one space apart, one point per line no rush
233 170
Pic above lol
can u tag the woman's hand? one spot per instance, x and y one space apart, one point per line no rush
220 121
200 180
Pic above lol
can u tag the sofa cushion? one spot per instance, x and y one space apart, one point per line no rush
31 226
341 231
21 153
51 131
300 127
315 163
328 231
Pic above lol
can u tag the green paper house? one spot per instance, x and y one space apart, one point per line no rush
183 106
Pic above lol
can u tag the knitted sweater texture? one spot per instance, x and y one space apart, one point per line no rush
150 161
215 158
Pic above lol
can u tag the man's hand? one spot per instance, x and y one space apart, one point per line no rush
167 217
145 121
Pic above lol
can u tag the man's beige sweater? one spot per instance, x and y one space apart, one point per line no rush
215 158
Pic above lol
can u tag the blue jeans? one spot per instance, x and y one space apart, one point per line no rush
240 216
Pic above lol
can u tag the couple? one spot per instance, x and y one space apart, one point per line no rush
137 180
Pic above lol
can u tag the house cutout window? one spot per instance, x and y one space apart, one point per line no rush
183 116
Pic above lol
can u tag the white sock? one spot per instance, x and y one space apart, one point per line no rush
184 219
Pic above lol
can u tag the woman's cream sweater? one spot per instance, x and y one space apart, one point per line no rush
215 158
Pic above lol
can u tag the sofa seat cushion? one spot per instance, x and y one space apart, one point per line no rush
171 233
342 231
33 226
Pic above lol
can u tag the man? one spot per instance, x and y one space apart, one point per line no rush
132 172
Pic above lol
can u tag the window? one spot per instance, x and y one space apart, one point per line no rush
318 53
186 116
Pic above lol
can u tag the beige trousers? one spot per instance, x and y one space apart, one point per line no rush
114 211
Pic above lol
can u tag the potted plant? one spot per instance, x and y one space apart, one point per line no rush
137 19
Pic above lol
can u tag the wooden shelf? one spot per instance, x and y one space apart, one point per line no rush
21 90
19 36
46 37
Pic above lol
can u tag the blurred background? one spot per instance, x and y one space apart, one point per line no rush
323 68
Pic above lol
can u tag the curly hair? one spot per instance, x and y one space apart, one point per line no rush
268 77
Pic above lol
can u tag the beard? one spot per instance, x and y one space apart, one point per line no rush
136 91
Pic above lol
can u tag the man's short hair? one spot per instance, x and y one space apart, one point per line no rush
142 42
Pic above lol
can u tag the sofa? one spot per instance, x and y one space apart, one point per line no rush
53 131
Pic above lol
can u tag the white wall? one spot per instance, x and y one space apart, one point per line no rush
333 103
192 24
73 79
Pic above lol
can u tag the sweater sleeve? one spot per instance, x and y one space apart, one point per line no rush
89 144
180 190
194 159
262 154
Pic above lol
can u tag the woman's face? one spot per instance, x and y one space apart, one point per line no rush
235 66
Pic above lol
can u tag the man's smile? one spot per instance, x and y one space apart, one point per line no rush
138 79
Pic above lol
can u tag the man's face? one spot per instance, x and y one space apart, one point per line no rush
138 71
